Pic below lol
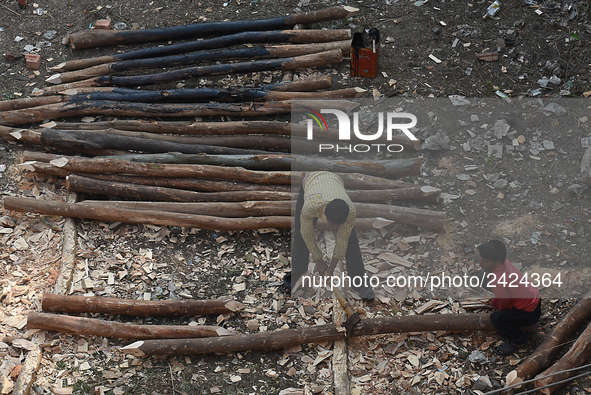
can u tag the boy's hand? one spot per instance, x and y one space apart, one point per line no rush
321 266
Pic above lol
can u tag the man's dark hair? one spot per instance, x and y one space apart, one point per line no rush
337 211
493 250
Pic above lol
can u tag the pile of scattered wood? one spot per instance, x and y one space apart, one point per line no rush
228 175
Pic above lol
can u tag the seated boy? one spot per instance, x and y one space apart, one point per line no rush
518 304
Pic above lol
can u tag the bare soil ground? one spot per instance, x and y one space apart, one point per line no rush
543 219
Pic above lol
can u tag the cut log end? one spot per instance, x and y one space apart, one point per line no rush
60 67
54 79
351 10
134 349
222 332
360 91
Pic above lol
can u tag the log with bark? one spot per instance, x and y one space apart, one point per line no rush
145 217
72 140
576 356
326 58
142 308
96 327
98 38
315 334
65 110
80 210
145 192
225 128
545 353
200 95
263 52
191 184
389 168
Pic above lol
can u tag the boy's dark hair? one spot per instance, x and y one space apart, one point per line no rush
337 211
493 250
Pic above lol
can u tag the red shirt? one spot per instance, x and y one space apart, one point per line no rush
511 292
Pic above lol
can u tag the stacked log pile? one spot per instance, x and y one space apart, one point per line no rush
232 175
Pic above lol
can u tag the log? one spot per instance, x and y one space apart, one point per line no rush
403 215
98 38
145 217
144 192
545 353
219 209
225 128
96 327
65 139
576 356
26 136
304 61
315 334
142 308
191 184
65 110
390 168
264 52
17 104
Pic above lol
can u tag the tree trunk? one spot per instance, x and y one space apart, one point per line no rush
155 308
144 192
96 327
315 334
576 356
65 110
418 193
264 52
65 139
98 38
545 353
144 217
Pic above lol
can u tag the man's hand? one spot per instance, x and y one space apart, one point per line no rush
332 266
321 266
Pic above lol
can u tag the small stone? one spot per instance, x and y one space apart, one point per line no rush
495 150
492 177
471 184
470 192
556 206
521 139
535 205
104 24
50 35
500 184
554 191
33 61
463 177
515 142
548 144
252 325
474 118
500 195
466 147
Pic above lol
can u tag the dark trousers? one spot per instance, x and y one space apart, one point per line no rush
507 322
300 255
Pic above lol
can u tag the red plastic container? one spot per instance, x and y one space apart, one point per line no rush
364 59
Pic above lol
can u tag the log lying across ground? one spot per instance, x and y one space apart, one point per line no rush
98 38
113 108
225 128
264 52
95 327
201 95
313 60
126 190
545 353
402 215
142 308
576 356
315 334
